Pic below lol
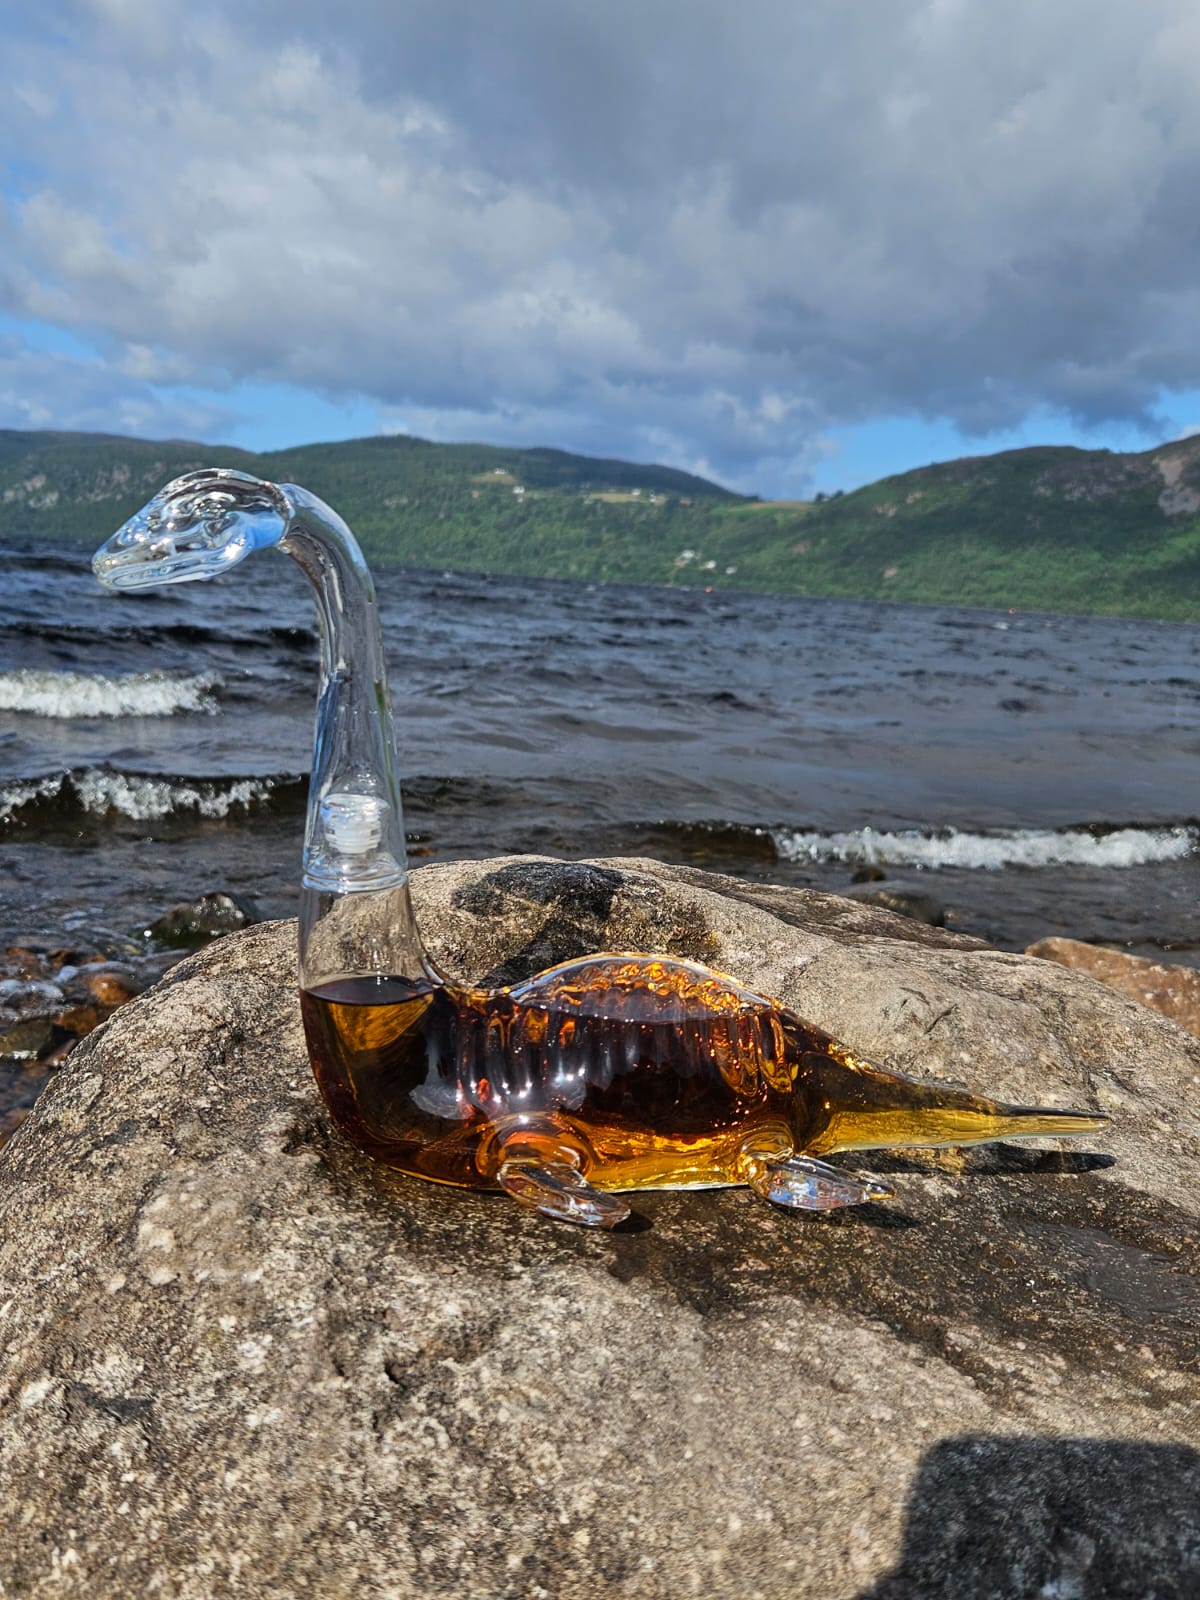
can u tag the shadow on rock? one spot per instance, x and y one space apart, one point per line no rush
1089 1519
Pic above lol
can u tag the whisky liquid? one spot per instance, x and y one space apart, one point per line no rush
641 1073
627 1065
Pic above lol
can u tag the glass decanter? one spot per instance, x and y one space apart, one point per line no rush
612 1073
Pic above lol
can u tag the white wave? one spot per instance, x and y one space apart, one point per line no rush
1018 847
88 694
146 799
142 799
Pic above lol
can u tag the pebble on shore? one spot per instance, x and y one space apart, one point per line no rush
49 1000
51 997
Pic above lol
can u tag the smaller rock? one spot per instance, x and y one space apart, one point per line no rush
25 1041
906 899
18 961
77 1019
1172 990
27 997
196 922
868 874
108 983
70 960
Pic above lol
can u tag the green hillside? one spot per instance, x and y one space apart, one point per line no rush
474 507
1047 528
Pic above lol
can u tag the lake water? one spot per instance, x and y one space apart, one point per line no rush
1037 774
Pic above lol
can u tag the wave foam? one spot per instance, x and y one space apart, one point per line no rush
86 694
100 793
1018 847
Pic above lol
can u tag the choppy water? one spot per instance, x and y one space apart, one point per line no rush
1038 774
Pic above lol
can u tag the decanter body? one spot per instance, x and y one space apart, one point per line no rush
608 1074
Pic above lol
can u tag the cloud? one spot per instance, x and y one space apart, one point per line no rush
708 233
40 389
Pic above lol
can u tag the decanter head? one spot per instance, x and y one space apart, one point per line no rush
197 527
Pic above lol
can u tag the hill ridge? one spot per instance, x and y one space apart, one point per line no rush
1043 527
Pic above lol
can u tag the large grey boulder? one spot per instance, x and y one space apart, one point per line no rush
239 1359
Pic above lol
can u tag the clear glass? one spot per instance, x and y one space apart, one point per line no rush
609 1074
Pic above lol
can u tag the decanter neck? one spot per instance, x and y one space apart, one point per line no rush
354 835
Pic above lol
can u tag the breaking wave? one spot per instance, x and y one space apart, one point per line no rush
92 694
1017 847
102 793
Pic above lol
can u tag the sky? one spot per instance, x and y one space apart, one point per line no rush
793 245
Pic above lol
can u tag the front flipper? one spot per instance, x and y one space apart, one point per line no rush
808 1185
558 1189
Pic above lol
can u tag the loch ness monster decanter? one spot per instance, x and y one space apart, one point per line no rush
610 1073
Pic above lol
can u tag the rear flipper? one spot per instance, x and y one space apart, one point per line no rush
808 1185
558 1189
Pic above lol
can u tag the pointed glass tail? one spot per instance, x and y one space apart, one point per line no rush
863 1107
1039 1122
946 1120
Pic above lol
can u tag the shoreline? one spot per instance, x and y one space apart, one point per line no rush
31 544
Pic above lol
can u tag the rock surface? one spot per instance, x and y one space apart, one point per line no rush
239 1359
1173 990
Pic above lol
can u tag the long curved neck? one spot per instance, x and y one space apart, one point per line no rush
354 831
354 837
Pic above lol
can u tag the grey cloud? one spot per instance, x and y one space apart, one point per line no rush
711 231
40 389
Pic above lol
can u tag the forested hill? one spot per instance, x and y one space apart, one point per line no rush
1051 528
478 507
